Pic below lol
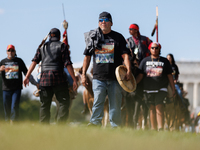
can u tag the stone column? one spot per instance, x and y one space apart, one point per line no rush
195 95
185 86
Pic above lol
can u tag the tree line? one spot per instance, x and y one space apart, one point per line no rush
29 108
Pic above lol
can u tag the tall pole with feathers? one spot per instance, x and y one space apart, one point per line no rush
65 25
156 25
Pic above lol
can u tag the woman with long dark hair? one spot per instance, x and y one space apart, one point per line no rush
175 75
175 69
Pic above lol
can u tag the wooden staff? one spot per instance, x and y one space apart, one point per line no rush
43 41
156 25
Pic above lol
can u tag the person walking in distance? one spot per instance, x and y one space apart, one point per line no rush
54 55
138 43
11 69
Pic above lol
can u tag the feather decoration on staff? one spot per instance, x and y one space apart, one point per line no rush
65 25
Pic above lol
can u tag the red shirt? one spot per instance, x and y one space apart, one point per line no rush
136 40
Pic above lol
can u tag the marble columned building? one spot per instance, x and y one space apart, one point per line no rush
190 77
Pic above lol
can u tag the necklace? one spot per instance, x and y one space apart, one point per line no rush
153 64
156 58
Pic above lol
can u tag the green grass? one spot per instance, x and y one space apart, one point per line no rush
34 136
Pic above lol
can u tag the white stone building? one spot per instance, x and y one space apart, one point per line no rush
190 77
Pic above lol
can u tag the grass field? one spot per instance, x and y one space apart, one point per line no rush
34 136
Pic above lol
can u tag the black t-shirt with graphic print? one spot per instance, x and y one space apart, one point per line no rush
106 60
12 76
175 71
155 73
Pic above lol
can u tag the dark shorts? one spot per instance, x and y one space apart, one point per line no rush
155 98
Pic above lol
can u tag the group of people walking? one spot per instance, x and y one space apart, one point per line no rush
108 49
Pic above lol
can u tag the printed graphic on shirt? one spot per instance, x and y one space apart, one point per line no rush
106 54
174 70
154 69
11 71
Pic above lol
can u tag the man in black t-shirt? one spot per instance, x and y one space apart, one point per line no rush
157 73
11 71
108 49
138 45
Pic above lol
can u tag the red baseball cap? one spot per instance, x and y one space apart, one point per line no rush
10 47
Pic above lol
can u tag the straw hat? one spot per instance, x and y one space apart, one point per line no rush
127 85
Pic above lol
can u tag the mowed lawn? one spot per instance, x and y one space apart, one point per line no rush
34 136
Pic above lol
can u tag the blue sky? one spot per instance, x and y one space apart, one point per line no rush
25 23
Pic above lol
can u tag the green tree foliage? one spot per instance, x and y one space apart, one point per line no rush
76 108
53 112
29 108
1 100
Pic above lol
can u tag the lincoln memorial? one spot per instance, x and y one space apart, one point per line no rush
190 77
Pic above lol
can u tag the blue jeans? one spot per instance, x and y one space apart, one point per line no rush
114 91
69 78
11 100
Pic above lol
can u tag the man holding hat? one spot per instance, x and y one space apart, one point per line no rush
11 71
108 49
54 55
138 43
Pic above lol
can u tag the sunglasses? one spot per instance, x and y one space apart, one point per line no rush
106 20
154 47
10 50
132 29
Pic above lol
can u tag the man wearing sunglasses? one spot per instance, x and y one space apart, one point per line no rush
138 43
11 71
109 51
157 74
